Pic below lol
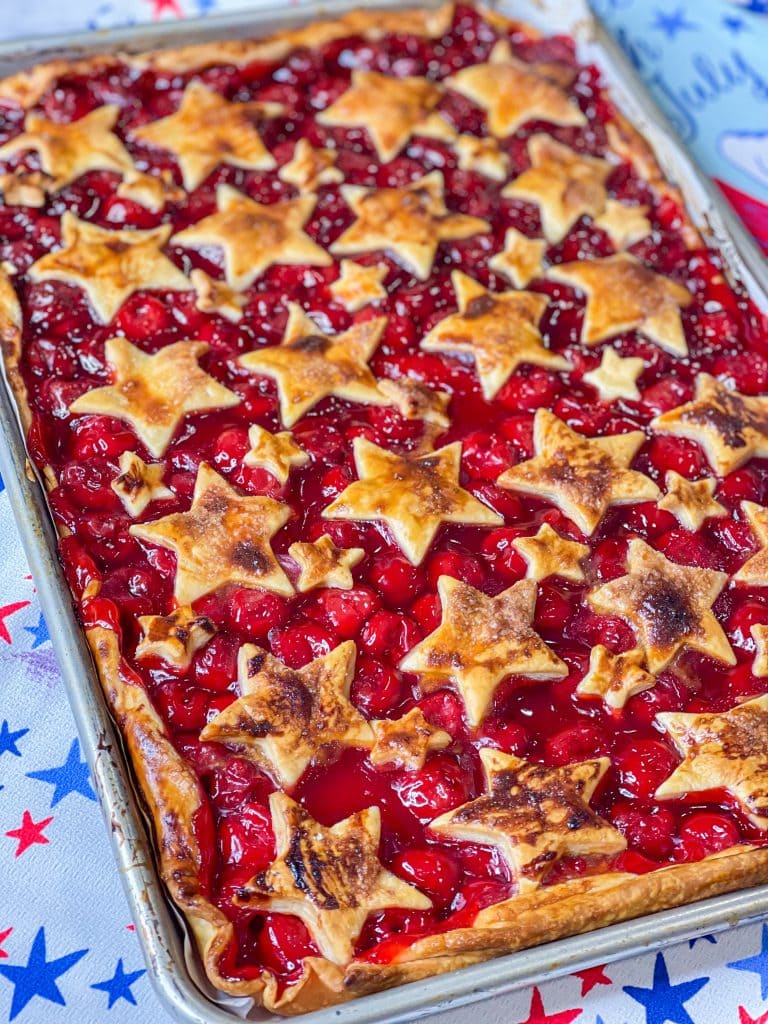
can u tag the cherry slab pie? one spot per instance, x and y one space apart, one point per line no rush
407 448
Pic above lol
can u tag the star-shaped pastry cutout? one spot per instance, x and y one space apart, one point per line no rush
534 815
322 564
417 401
357 286
67 151
521 259
615 677
408 222
691 502
721 751
175 637
405 742
390 109
277 453
667 605
310 366
310 168
208 130
616 377
223 538
138 483
480 641
549 554
731 428
412 495
624 295
217 297
25 188
624 224
499 330
330 878
513 92
564 185
754 572
285 719
582 476
759 634
253 236
155 392
110 265
153 191
482 154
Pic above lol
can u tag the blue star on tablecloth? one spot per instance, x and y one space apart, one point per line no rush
757 964
702 938
38 976
8 739
664 1002
70 777
672 22
39 632
119 985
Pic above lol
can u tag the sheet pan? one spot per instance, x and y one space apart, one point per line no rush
171 967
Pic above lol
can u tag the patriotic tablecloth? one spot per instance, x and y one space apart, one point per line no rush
68 951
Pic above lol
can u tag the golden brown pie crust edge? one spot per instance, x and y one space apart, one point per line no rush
168 786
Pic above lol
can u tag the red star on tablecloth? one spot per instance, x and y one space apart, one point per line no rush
5 611
591 977
747 1018
29 833
538 1016
163 7
3 936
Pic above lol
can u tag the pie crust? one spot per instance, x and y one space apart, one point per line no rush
407 451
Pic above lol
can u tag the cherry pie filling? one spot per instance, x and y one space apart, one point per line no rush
393 604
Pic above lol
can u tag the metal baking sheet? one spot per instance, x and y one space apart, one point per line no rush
158 927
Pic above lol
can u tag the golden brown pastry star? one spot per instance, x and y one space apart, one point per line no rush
138 483
691 502
722 751
482 154
498 329
615 677
582 476
309 365
754 572
223 538
513 92
277 453
534 815
413 495
624 295
357 286
322 564
208 130
405 742
521 259
624 224
310 168
155 392
390 109
417 401
759 633
667 605
731 428
154 191
564 185
285 719
24 188
408 222
253 236
330 878
216 296
549 554
482 640
616 377
110 265
175 637
67 151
